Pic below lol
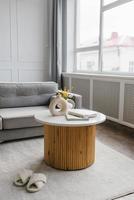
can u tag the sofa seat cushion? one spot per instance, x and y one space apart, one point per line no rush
23 117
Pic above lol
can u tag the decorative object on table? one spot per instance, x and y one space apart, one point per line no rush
58 106
70 103
68 97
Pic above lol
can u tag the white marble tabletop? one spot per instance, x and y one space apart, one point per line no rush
46 118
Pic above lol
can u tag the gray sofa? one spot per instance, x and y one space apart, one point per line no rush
19 102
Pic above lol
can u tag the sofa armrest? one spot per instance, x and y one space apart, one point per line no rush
77 99
0 123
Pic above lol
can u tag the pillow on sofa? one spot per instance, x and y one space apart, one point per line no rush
26 94
21 101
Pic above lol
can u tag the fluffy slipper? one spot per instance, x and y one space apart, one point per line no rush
36 182
23 177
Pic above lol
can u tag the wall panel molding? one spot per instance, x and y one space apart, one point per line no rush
31 26
24 36
33 75
5 31
5 75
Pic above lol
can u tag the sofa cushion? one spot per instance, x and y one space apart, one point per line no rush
26 94
23 117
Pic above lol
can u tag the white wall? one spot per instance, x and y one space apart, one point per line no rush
23 40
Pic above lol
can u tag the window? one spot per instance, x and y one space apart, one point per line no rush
108 1
87 35
118 38
87 61
104 36
88 22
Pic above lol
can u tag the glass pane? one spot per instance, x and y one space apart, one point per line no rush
108 1
118 39
88 22
87 61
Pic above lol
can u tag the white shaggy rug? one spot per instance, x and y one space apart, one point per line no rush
111 176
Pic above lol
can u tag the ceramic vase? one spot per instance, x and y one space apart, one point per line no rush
59 102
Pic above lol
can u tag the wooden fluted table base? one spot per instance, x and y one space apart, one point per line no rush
69 148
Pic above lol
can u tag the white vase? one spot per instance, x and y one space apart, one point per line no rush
71 104
60 102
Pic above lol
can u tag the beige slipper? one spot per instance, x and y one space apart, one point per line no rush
36 182
23 177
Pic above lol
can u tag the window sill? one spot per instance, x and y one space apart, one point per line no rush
98 75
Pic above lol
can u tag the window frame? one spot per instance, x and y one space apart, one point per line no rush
98 47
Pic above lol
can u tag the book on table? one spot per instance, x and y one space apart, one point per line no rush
82 113
75 118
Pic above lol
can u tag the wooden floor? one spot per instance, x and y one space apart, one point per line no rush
121 139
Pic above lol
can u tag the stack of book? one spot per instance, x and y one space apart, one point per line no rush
80 114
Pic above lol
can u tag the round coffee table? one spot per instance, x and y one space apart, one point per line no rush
69 145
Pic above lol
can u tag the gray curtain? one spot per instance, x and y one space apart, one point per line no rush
55 39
